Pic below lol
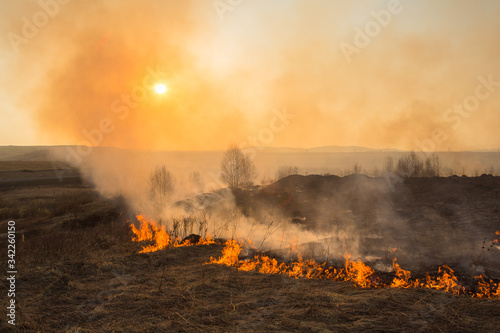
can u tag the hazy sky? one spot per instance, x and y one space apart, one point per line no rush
399 74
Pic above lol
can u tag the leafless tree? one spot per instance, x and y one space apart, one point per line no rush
411 165
285 171
356 169
237 169
160 189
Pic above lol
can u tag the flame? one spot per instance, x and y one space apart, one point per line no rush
403 277
358 272
149 230
487 289
230 254
496 240
144 233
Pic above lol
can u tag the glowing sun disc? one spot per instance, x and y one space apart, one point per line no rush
160 88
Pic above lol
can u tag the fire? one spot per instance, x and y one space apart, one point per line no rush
203 241
359 273
230 254
149 230
447 282
144 233
403 277
495 241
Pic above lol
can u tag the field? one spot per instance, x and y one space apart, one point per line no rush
80 271
250 166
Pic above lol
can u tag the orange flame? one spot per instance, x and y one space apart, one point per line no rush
354 271
402 279
358 272
149 230
230 254
144 233
496 240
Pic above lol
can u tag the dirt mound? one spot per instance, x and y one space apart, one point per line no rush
428 221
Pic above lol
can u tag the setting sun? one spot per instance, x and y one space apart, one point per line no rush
160 88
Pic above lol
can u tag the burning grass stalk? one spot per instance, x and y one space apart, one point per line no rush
150 231
361 274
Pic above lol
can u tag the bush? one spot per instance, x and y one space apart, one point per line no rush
285 171
411 165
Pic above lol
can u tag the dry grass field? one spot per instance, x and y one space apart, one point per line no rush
79 271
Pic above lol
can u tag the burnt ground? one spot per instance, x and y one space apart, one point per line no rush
110 287
429 221
79 271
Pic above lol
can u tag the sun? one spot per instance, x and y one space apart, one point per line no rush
160 88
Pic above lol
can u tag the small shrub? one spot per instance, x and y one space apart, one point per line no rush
411 165
285 171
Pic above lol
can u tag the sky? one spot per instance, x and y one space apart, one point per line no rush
420 75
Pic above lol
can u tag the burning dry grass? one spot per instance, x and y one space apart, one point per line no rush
150 231
91 278
357 272
114 288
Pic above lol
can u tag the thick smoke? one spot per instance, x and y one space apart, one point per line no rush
227 69
85 76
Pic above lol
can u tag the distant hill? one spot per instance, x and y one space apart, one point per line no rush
337 160
325 149
343 149
43 153
16 153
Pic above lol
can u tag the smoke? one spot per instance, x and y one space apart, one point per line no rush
85 77
226 75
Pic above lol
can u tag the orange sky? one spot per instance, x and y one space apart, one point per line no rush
399 74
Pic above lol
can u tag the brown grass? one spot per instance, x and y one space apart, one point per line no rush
31 165
116 289
84 277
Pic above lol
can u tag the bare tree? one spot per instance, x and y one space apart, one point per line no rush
411 165
356 169
160 189
237 168
285 171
